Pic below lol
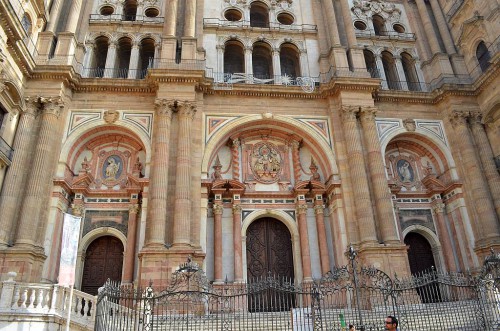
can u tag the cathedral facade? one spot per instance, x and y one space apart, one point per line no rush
254 136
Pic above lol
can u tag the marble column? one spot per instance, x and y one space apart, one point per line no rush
487 158
488 231
109 67
331 21
249 63
129 259
276 66
218 209
190 18
444 237
428 27
320 227
158 190
54 16
73 16
235 155
378 178
304 240
380 68
220 63
364 212
182 215
349 28
443 28
40 174
133 66
171 18
238 264
401 73
18 170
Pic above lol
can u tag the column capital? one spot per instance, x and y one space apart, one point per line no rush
458 118
236 209
32 106
165 107
439 208
368 113
133 208
319 209
235 143
186 109
52 105
295 144
218 209
349 113
301 209
476 117
78 209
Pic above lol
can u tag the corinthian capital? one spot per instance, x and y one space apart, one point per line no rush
458 118
78 209
218 209
368 113
301 209
165 107
349 113
186 109
318 209
236 209
32 106
439 207
476 117
52 105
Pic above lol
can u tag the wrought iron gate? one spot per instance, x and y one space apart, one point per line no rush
361 296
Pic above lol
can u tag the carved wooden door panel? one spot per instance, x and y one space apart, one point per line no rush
269 252
103 260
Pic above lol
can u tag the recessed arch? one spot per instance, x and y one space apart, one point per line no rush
234 57
290 60
259 14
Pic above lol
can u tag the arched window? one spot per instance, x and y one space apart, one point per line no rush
100 53
124 48
146 56
27 25
290 60
371 63
259 15
234 57
130 10
378 25
410 71
483 56
262 61
390 71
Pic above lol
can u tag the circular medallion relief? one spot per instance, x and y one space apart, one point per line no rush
112 168
266 162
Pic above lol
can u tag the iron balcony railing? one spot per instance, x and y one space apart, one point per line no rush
218 23
385 34
454 9
126 18
6 149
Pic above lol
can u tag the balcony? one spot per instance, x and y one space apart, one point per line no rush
117 18
391 35
6 153
242 24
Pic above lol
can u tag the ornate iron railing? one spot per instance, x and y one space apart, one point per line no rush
361 296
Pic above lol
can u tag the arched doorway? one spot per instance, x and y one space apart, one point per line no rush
103 260
421 261
269 252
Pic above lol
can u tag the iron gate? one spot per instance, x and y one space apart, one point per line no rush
361 296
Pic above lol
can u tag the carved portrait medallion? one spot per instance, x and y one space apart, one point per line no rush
266 162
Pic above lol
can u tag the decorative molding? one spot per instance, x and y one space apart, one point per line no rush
320 125
143 121
78 119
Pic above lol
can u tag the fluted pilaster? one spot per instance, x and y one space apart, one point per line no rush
304 240
444 237
16 176
129 260
238 264
182 217
158 192
321 229
383 200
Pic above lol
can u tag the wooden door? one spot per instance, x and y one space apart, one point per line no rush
103 260
269 253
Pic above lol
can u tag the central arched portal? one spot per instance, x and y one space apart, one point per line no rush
269 253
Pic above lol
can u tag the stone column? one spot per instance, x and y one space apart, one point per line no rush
89 56
320 227
381 192
74 15
129 260
218 210
220 63
428 27
190 18
488 231
40 174
158 190
182 216
331 21
235 155
171 18
444 237
133 66
15 178
304 240
276 66
380 68
349 28
355 158
443 28
109 67
238 264
401 73
487 158
54 16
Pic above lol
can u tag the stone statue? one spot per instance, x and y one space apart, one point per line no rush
112 169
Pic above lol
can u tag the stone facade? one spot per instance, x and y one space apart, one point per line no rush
174 125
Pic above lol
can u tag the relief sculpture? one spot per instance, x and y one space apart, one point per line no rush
266 162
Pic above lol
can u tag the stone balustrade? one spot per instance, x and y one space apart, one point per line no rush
43 306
